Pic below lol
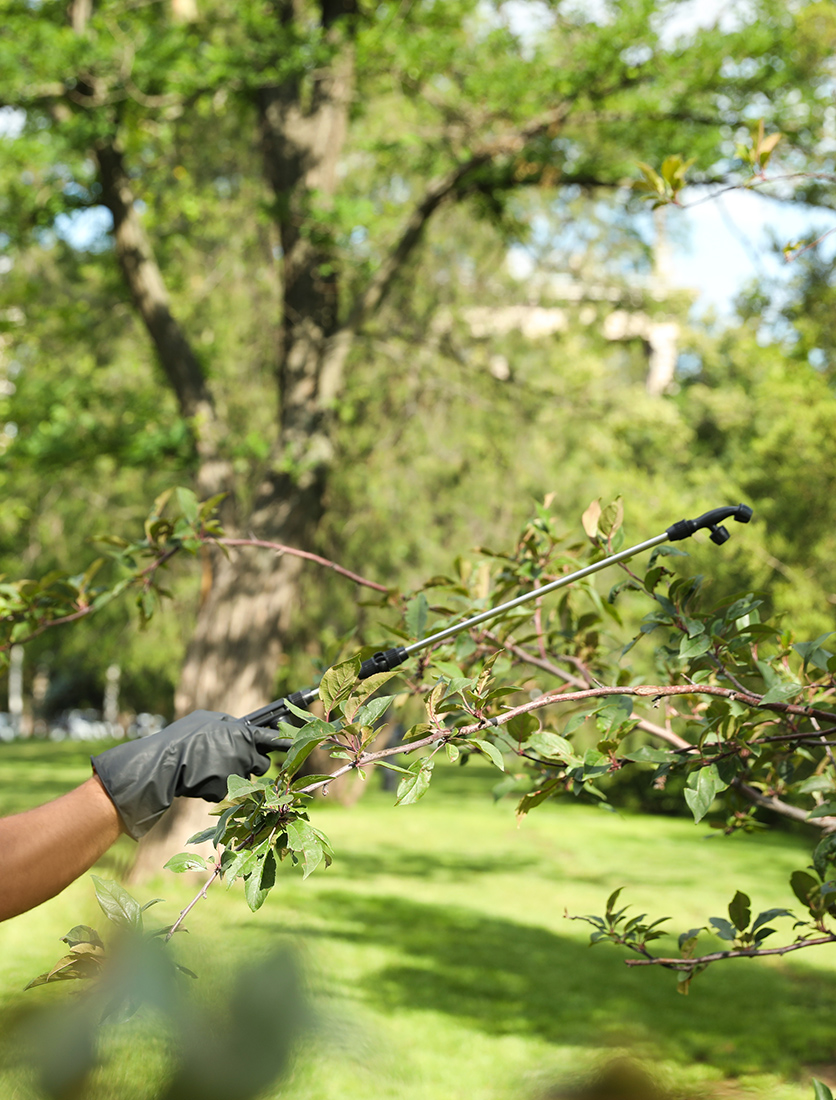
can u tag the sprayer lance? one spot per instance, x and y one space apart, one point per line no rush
389 659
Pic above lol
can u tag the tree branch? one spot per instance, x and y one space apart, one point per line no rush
766 802
454 184
280 548
716 956
643 723
147 287
443 734
778 806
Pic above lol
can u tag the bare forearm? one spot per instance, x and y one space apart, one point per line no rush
45 849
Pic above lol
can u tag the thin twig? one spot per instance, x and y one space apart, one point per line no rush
740 953
281 548
200 894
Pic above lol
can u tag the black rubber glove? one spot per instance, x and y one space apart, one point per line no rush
193 757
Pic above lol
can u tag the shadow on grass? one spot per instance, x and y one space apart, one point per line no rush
430 866
510 978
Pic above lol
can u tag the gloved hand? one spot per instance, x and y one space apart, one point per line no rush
193 756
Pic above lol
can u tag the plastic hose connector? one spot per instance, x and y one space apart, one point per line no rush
382 662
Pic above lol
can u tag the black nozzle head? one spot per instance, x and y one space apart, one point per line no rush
742 514
719 535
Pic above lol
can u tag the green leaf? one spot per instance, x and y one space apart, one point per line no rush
816 783
301 713
724 930
813 652
522 726
782 693
365 688
338 681
415 733
302 839
238 787
186 861
415 618
821 1091
693 626
492 753
551 746
313 734
767 916
82 933
824 853
806 889
412 787
447 669
647 755
740 911
234 864
612 899
534 798
373 710
611 517
117 904
260 881
689 648
687 940
702 788
825 810
187 501
404 771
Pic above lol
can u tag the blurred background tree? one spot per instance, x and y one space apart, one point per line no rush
245 245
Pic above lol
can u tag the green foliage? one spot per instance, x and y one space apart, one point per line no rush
233 1052
94 419
745 707
90 960
745 700
177 522
666 184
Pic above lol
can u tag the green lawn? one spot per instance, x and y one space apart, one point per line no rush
438 950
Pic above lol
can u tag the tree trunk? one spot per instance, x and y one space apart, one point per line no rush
234 652
237 643
231 661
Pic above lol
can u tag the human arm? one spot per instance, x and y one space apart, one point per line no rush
44 849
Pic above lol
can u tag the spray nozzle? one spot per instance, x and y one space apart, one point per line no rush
719 535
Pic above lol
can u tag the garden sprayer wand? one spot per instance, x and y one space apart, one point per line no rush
279 711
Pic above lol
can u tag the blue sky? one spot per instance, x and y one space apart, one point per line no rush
728 243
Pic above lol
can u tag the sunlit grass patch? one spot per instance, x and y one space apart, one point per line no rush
439 954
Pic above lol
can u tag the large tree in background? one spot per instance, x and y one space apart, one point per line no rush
362 123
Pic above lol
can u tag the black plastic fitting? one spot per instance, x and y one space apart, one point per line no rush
269 717
382 662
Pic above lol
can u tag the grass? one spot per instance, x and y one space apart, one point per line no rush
438 949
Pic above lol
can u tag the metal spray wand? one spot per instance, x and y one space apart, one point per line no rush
279 711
